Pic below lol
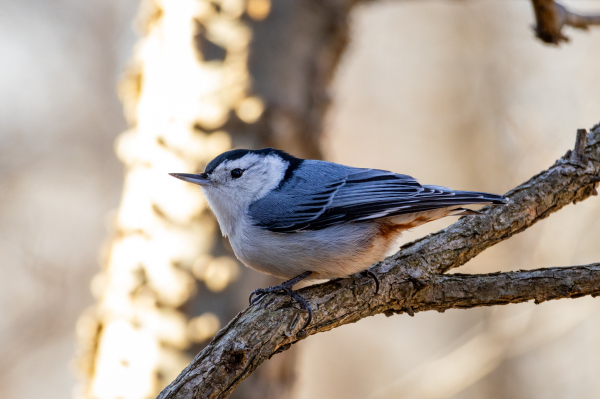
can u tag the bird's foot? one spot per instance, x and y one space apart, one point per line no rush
286 288
368 273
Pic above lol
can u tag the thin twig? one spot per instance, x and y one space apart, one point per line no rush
551 17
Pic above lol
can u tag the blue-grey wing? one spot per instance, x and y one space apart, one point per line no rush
354 195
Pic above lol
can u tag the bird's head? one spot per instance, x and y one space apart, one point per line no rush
237 178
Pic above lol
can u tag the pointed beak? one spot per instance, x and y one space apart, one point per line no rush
201 179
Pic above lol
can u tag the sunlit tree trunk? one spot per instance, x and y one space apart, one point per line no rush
206 76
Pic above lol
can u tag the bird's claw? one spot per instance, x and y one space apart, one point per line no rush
259 292
369 273
285 288
303 303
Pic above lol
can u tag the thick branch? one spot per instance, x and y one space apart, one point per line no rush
258 333
569 180
550 18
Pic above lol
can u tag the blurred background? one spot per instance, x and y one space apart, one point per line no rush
114 275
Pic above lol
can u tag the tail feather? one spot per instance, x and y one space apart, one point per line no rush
475 196
494 199
464 212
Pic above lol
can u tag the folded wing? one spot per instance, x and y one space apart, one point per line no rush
358 196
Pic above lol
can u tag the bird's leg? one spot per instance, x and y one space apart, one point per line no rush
286 288
368 273
283 287
303 303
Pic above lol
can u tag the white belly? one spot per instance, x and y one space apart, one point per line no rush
337 251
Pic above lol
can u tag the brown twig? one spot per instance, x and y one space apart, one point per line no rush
411 281
550 18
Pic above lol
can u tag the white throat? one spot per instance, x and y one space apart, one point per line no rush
229 214
230 201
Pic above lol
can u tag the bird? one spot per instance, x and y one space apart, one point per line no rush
300 219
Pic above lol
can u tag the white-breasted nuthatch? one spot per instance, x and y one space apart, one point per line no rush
295 218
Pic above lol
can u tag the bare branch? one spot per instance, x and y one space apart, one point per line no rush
464 291
258 333
551 17
411 281
563 183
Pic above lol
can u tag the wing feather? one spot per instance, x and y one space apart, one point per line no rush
357 196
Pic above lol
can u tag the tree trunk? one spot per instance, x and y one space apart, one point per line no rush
206 77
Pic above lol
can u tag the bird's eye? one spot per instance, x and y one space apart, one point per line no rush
237 173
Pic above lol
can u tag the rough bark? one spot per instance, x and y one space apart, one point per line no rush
551 17
411 280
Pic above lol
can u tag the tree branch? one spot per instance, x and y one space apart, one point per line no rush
464 291
411 281
571 179
551 17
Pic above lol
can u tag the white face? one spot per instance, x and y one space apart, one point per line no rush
230 196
